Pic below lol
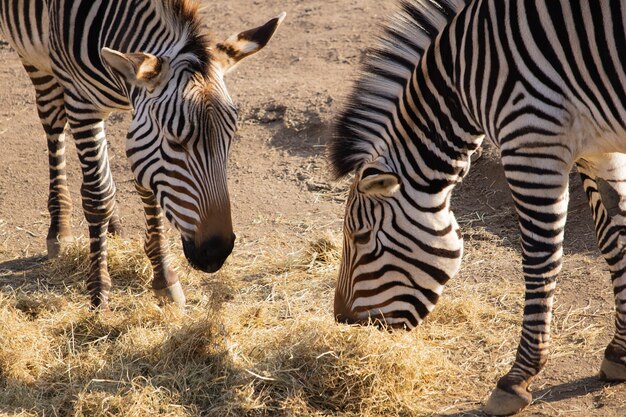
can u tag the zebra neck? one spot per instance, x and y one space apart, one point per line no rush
404 108
435 134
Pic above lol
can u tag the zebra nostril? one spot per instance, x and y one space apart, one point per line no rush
345 319
342 311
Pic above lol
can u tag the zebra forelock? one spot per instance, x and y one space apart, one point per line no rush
192 40
387 69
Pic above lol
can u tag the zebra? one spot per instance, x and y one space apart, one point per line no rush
542 80
87 58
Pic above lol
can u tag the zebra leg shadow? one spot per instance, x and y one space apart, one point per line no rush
574 389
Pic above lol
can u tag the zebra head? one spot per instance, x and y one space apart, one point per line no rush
401 241
401 244
182 126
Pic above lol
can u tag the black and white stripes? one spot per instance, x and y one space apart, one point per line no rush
546 82
89 58
398 210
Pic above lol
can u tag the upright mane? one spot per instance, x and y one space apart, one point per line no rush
183 15
384 75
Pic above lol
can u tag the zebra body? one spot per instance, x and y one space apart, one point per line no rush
543 80
87 58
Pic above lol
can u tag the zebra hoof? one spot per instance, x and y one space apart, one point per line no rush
116 230
612 371
503 403
173 294
55 246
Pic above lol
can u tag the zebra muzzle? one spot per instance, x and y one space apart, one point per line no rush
210 255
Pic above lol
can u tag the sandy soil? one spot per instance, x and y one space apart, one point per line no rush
281 192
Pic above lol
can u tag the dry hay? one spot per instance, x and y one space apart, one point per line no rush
258 339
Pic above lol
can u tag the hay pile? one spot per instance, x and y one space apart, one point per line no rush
256 339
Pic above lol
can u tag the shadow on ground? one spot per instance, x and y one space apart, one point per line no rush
189 369
483 200
554 394
21 272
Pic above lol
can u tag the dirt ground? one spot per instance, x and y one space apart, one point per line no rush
281 191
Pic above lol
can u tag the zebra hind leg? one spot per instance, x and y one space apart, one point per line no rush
51 109
115 224
605 199
165 281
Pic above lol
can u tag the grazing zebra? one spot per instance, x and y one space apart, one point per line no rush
87 58
545 81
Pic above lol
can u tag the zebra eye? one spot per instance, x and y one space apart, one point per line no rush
178 147
362 238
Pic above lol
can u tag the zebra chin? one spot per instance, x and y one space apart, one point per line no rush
210 255
398 319
379 321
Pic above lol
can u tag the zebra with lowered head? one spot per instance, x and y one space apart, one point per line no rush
87 58
545 82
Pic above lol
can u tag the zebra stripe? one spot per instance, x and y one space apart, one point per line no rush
84 63
543 81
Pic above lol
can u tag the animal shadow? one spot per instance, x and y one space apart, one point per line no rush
21 272
553 394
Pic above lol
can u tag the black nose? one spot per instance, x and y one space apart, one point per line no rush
210 255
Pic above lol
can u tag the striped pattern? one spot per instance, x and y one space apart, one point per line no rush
155 61
400 247
544 81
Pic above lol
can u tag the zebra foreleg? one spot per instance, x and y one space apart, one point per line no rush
165 281
541 199
605 199
98 198
51 109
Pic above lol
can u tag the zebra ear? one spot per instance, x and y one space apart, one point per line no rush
142 69
377 183
238 46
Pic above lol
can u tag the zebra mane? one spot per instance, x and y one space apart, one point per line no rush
384 75
188 25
